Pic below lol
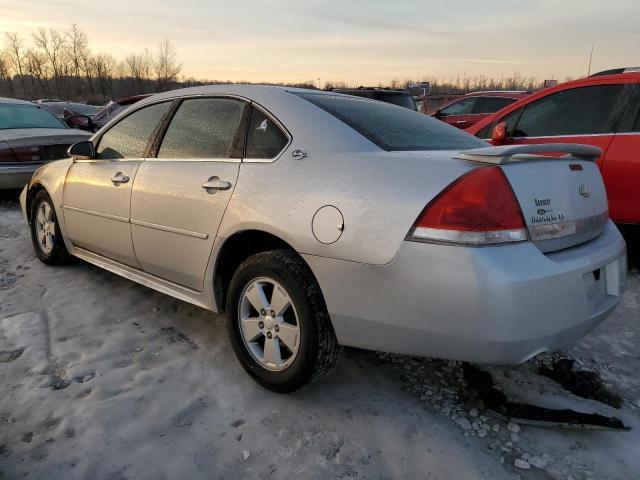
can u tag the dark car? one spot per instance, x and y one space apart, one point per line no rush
112 108
30 135
74 114
401 98
475 106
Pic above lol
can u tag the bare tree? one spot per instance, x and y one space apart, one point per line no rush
166 65
15 49
37 70
77 47
52 44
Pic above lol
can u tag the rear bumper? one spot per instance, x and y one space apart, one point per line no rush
15 176
498 305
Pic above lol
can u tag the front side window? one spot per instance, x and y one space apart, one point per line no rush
27 116
264 138
204 128
491 104
462 107
390 127
129 137
584 110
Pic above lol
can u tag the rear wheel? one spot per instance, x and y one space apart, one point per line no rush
279 325
45 231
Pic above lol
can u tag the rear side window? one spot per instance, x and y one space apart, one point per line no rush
461 107
584 110
265 139
390 127
203 128
491 104
129 137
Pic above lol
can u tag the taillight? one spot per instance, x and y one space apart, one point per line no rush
6 153
479 208
28 154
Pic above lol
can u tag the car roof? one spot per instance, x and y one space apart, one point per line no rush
586 81
15 101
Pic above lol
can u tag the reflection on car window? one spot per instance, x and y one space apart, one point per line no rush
462 107
203 128
27 116
584 110
390 127
128 138
491 104
264 138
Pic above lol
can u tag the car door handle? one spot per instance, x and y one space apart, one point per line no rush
119 178
214 183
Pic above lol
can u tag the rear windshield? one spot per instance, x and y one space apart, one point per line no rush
27 116
390 127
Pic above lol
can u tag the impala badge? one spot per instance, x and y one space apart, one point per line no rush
584 190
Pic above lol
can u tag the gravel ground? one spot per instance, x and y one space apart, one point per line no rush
103 378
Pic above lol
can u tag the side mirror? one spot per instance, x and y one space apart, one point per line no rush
82 150
437 114
499 133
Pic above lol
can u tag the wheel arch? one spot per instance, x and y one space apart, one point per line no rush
237 248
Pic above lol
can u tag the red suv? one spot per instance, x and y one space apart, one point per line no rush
473 107
601 110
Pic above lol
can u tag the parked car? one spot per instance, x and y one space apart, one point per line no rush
29 136
74 114
402 98
113 108
317 220
601 110
473 107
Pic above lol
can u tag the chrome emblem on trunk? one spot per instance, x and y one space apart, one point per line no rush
584 191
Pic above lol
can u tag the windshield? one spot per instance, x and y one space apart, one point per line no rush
390 127
27 116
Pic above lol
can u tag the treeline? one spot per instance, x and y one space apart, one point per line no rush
60 64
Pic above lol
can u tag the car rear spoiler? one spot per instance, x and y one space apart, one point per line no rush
508 153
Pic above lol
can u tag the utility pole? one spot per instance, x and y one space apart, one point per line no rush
319 84
590 59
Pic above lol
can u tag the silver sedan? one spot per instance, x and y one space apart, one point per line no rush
317 220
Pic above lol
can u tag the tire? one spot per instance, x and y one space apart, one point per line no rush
316 350
51 251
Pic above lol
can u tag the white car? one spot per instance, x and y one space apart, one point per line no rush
318 220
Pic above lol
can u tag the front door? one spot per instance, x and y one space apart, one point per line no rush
97 192
179 198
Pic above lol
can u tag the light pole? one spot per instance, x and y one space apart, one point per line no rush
590 59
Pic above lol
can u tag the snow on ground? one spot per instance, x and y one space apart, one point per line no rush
102 378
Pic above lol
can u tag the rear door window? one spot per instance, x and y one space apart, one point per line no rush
265 139
461 107
491 104
584 110
129 137
204 128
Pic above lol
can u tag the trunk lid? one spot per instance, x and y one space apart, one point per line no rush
563 199
36 145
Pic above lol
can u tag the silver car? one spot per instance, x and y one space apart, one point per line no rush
317 220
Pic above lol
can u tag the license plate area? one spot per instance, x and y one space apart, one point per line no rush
603 284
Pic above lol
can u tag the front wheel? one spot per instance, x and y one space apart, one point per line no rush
278 322
45 231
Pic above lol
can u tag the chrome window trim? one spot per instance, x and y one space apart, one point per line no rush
211 160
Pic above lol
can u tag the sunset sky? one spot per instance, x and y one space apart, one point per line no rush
357 42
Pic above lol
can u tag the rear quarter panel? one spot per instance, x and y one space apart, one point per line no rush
379 194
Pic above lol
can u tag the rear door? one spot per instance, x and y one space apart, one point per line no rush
459 113
587 114
621 166
179 197
97 192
